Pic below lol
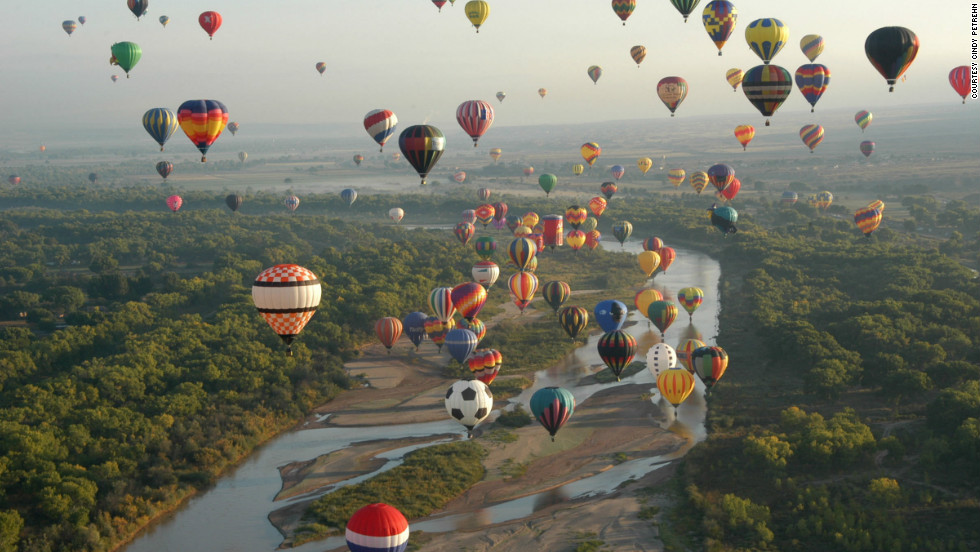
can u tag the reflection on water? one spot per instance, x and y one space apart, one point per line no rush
232 516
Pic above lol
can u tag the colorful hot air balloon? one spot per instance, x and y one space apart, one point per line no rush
521 251
126 55
959 79
610 314
243 156
234 202
662 313
675 385
500 209
592 238
812 46
469 298
724 219
744 134
868 219
484 366
690 299
291 202
522 287
766 37
464 231
672 91
475 117
174 202
496 153
13 179
767 87
623 9
380 125
891 50
441 303
686 349
69 26
575 216
734 78
638 53
414 325
573 320
622 231
114 78
422 146
389 329
667 256
377 528
547 182
477 12
358 159
653 244
396 214
439 4
436 330
160 123
645 297
552 407
709 364
555 293
349 195
867 148
468 402
676 177
81 20
202 121
685 7
824 200
286 295
461 342
321 67
575 239
485 273
644 164
590 152
597 205
530 219
789 197
501 95
812 80
811 135
699 179
528 171
617 349
484 214
863 119
594 72
719 18
649 261
721 175
138 7
210 21
542 92
164 20
164 168
233 128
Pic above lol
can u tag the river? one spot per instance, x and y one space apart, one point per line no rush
232 516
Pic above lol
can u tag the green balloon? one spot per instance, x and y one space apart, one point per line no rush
589 225
547 182
126 55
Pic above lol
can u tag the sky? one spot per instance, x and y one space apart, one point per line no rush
406 56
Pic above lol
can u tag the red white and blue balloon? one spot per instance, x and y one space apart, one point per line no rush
377 528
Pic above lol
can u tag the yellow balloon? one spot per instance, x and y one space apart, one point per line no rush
675 385
766 37
649 261
531 219
645 297
578 169
477 12
645 164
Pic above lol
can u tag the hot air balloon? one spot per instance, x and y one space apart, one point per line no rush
608 189
422 146
617 171
475 117
81 20
233 128
592 238
867 148
573 320
744 134
575 239
868 219
672 91
644 164
590 152
389 329
552 407
499 210
469 298
645 297
552 234
653 244
610 314
824 200
660 358
483 194
662 313
863 119
233 201
709 364
138 7
93 177
638 53
766 37
380 125
396 214
242 156
719 18
286 295
690 299
649 261
617 349
164 168
542 92
377 528
501 95
959 79
439 4
464 231
789 197
13 179
114 78
485 247
69 26
521 251
685 351
484 213
468 402
486 273
469 215
767 87
721 175
349 195
555 293
547 182
811 135
496 153
210 21
291 202
528 171
483 364
174 202
699 179
597 205
675 385
734 78
594 72
522 287
667 256
160 123
126 55
461 342
164 20
575 216
621 231
685 7
891 50
812 46
623 9
202 121
477 12
414 325
436 330
358 158
724 219
812 80
441 303
676 177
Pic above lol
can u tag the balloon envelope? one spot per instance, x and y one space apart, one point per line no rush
287 296
376 528
422 146
610 314
552 407
891 50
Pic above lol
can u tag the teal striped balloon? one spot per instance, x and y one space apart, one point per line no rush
161 123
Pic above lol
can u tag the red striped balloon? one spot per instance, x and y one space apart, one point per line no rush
475 116
389 329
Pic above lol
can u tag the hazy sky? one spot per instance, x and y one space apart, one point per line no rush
406 56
